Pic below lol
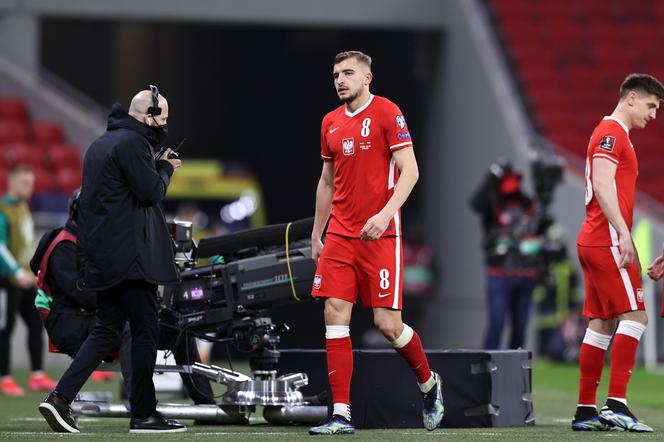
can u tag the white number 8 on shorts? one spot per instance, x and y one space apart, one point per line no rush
384 279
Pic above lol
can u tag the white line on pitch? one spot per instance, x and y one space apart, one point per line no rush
41 419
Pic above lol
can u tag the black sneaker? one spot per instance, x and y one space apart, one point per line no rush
155 424
57 413
617 414
587 419
433 410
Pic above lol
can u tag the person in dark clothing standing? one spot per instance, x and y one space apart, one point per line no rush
70 313
512 243
124 251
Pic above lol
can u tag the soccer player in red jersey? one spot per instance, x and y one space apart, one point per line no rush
612 273
369 169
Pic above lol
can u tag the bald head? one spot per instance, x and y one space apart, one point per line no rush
139 108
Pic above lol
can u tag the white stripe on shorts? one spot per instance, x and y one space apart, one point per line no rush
625 278
397 254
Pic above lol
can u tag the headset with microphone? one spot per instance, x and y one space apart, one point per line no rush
155 110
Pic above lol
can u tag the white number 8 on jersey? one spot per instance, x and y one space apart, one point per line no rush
365 127
589 183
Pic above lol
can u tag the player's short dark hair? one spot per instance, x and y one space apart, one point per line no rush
21 168
642 83
358 55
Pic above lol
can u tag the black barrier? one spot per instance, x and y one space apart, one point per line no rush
480 388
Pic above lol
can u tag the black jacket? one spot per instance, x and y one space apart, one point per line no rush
61 272
122 229
61 275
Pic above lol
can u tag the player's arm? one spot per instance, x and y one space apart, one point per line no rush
656 268
324 193
604 172
408 176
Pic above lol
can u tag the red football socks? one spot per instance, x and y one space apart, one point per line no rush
340 368
591 363
409 346
623 354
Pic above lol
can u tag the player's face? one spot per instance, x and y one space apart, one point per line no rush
644 109
21 184
351 78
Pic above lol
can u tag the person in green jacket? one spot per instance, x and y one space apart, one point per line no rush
17 284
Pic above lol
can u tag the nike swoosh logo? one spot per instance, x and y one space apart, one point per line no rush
333 130
383 295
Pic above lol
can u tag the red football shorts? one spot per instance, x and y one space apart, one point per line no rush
610 291
372 268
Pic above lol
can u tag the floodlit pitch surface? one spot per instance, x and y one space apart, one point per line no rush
554 395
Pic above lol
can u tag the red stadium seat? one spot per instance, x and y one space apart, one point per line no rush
13 109
68 179
63 155
23 153
43 180
45 133
13 132
4 172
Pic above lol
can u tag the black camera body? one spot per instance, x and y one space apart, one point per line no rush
233 299
546 176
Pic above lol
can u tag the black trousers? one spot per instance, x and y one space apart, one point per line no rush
185 352
13 299
131 300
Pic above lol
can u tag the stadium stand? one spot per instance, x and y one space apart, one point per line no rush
569 58
40 144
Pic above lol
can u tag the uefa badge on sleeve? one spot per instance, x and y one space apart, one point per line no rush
639 294
318 280
607 143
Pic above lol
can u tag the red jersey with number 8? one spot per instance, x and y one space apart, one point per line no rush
609 141
361 144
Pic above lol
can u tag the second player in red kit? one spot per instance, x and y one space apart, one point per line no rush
369 169
612 273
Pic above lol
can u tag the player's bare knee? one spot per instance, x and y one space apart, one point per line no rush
603 326
337 312
389 327
639 316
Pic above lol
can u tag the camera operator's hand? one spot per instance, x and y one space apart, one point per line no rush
316 249
24 279
174 162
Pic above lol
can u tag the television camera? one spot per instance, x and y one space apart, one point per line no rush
251 272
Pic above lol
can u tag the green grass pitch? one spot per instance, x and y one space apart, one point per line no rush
554 394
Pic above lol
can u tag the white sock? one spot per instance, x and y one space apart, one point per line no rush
342 409
587 405
631 328
337 331
428 385
404 338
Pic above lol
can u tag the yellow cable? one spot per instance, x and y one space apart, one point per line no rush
290 272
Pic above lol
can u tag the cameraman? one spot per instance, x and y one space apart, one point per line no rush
512 230
70 313
124 251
